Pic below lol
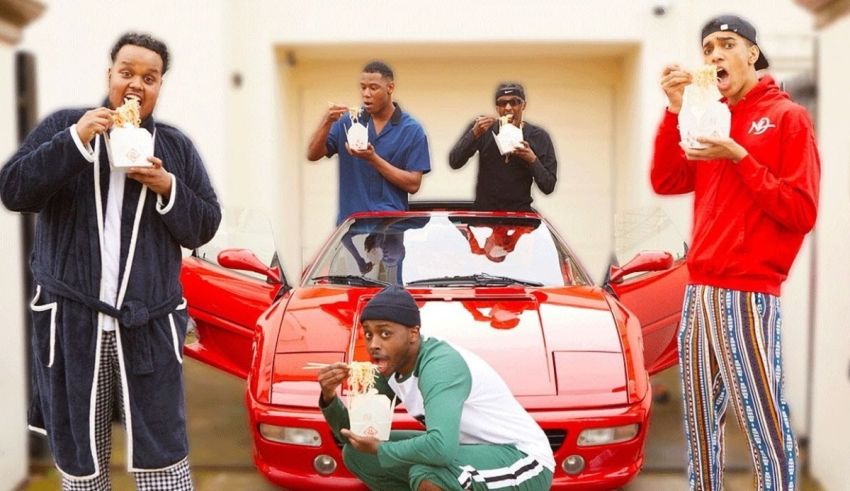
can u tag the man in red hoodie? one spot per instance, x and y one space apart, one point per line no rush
755 198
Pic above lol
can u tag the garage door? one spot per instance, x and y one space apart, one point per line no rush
572 98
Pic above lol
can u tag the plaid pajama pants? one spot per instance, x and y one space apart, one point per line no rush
174 478
730 348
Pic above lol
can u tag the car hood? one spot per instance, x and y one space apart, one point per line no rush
560 342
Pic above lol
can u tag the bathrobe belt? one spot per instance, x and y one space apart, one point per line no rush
133 315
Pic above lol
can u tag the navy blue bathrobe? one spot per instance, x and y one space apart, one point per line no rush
49 175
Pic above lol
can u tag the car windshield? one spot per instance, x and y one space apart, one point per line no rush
442 250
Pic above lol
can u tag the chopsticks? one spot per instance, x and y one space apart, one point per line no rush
312 365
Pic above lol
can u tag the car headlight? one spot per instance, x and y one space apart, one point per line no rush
605 436
294 436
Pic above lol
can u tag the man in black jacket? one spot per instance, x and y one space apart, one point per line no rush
504 181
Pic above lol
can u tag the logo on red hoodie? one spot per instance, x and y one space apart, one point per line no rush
761 126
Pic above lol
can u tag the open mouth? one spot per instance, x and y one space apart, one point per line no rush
135 97
382 364
722 78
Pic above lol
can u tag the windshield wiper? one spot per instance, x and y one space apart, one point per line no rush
479 279
350 279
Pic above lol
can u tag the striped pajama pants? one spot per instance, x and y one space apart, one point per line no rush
730 348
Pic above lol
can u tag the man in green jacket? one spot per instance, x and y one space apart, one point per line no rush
477 435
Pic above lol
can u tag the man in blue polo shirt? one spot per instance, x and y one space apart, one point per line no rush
391 167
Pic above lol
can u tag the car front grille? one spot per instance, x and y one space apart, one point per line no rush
556 438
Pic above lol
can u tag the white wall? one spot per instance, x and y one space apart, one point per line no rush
13 427
831 425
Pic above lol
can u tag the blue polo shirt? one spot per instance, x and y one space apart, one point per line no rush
402 143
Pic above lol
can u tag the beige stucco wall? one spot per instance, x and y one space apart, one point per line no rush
13 432
831 425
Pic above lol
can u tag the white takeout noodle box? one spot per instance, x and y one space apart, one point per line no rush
370 415
130 147
358 136
508 139
703 114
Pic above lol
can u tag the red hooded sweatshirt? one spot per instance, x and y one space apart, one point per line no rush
749 218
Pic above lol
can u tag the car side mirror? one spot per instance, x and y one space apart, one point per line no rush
245 260
642 262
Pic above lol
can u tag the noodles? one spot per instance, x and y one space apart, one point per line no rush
706 76
507 119
361 377
354 113
128 114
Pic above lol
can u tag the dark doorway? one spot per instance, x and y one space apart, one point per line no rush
26 110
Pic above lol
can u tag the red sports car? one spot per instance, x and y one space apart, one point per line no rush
505 285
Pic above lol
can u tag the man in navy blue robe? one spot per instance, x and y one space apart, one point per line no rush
109 319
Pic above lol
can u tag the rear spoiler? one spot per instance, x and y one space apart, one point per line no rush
447 205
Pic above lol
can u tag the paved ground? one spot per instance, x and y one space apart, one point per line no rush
221 447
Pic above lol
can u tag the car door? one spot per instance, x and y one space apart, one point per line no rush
654 292
224 305
656 299
227 289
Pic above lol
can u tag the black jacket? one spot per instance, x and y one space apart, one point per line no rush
506 185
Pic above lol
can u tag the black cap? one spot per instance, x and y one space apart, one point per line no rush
394 304
739 26
510 88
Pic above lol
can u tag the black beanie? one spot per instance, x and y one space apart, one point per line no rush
394 304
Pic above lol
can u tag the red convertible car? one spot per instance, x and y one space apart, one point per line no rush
576 355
